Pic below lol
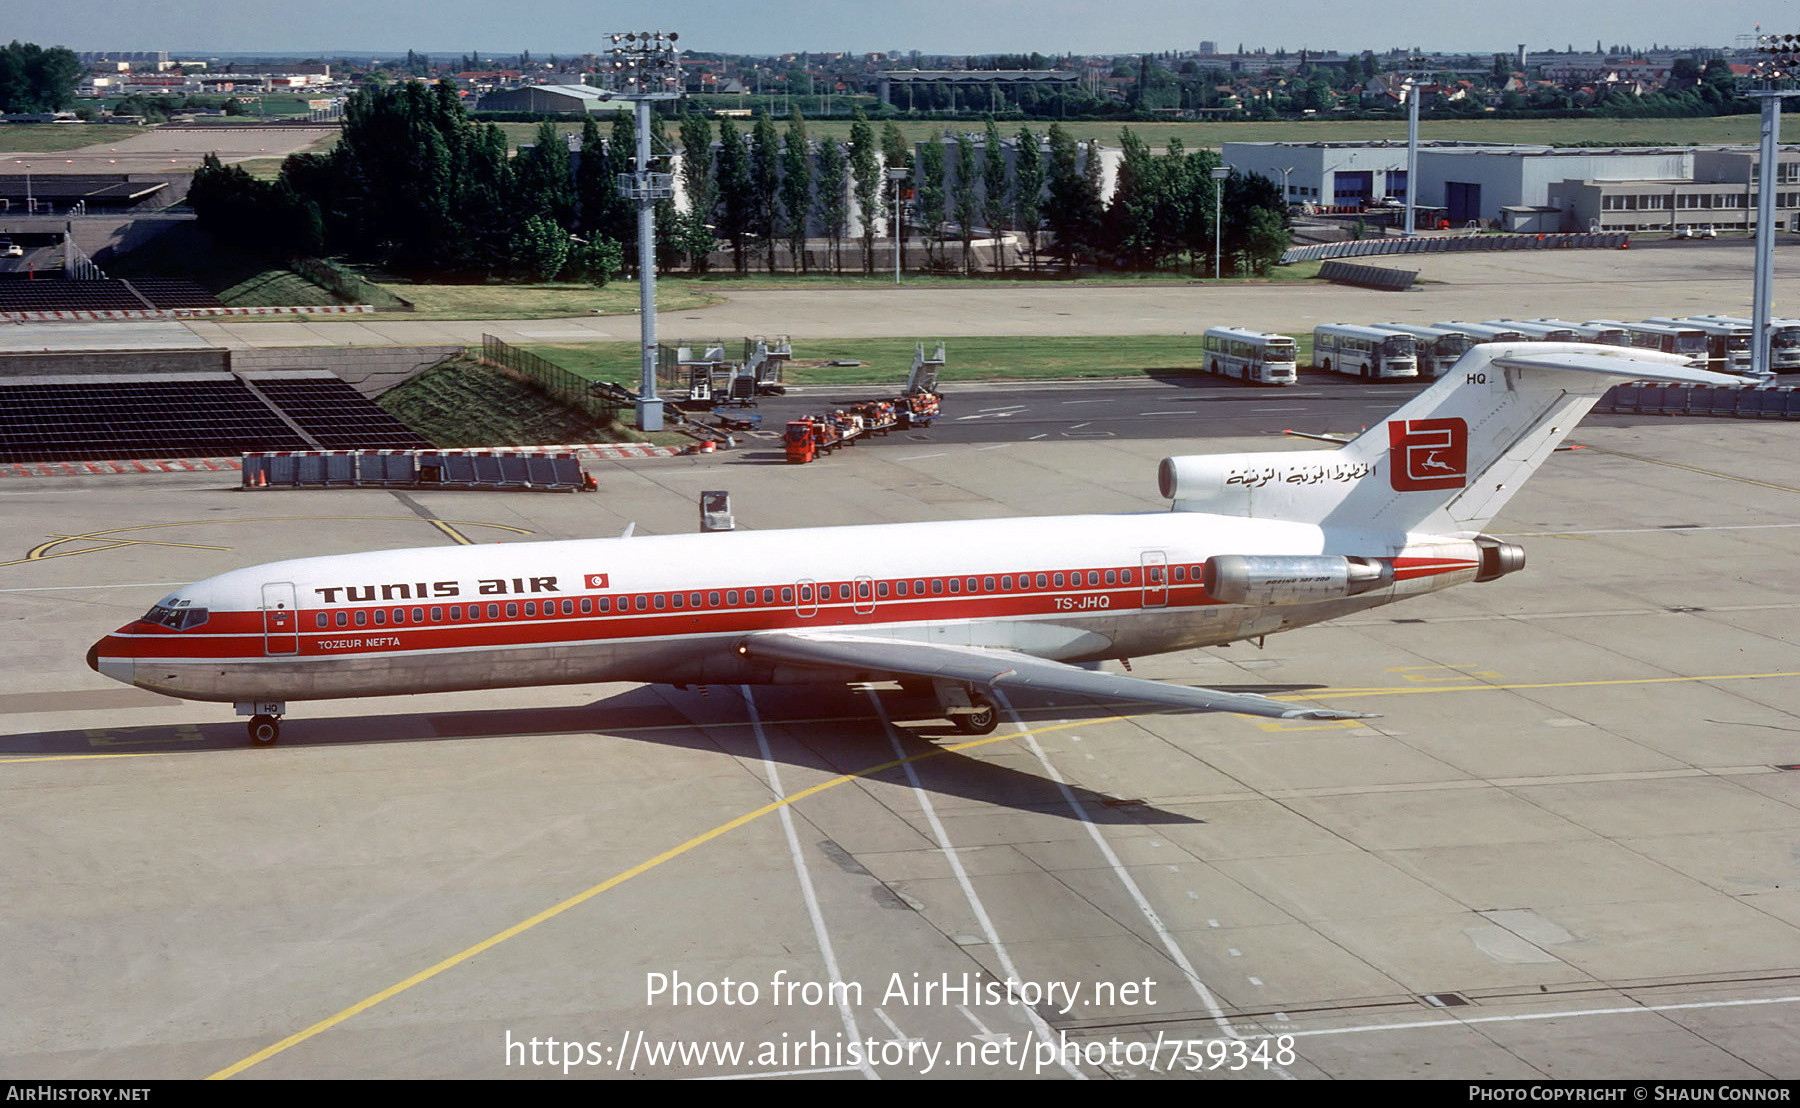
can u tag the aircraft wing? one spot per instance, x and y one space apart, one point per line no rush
990 668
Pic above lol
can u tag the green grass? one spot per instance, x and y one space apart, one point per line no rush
725 281
41 138
888 360
540 301
463 404
1702 131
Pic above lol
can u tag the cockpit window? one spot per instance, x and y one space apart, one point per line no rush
176 618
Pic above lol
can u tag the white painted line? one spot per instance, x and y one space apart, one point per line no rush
1178 955
806 886
1087 402
1299 409
996 446
917 457
962 879
1654 530
72 588
774 1073
1524 1017
1007 408
1183 412
1079 426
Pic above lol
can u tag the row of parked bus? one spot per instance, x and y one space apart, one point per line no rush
1384 351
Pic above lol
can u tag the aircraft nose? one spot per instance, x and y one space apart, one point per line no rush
93 657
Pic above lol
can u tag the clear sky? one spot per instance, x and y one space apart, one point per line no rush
353 27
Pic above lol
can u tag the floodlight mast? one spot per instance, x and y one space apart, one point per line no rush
1416 69
644 68
1775 75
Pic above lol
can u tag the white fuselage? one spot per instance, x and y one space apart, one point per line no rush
673 609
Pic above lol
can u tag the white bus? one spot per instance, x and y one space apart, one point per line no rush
1251 355
1537 332
1690 341
1484 332
1784 338
1364 351
1727 344
1439 347
1589 332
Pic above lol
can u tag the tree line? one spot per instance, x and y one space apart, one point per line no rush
416 185
35 79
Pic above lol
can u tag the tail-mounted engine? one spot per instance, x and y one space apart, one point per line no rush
1498 558
1291 578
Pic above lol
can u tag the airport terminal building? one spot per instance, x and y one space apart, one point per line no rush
1536 188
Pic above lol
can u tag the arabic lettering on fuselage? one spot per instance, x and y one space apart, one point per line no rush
1256 477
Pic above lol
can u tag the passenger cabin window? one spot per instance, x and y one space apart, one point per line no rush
437 615
1093 577
342 619
660 601
512 610
362 618
937 585
418 615
380 617
493 611
587 605
321 620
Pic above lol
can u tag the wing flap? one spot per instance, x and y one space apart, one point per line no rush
1007 669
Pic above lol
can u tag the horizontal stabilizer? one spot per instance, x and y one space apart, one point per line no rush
1627 365
1006 669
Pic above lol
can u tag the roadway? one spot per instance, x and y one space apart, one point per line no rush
1670 279
1565 848
1175 404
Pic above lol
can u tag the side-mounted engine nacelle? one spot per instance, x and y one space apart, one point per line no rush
1291 578
1498 558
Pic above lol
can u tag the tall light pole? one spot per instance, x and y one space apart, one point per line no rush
644 69
897 176
1219 177
1414 72
30 204
1774 75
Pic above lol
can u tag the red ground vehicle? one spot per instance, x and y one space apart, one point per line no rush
801 446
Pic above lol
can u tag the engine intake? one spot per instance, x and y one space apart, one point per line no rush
1291 578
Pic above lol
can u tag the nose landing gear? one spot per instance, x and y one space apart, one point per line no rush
265 720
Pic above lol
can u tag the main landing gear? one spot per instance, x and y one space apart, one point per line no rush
969 711
265 720
980 719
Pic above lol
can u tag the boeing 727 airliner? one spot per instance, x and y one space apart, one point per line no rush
1255 544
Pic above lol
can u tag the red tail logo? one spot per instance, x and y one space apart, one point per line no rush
1428 454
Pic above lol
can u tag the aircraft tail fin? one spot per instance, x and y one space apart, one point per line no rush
1445 462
